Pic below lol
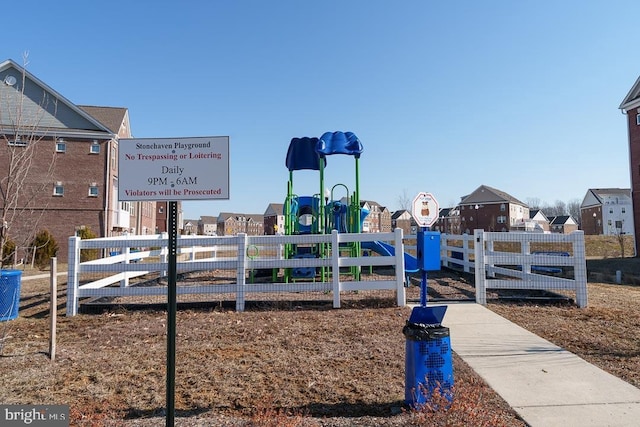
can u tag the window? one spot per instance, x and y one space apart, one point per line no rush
58 189
637 119
95 147
502 219
61 146
624 210
17 142
93 190
503 208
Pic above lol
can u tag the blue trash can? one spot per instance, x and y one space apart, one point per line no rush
428 364
9 294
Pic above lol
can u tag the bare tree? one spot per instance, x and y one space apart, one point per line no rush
617 230
404 201
22 178
533 202
573 209
557 209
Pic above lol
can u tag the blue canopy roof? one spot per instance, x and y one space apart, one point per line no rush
339 143
302 154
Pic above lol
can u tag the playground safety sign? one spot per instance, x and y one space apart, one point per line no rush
173 168
425 209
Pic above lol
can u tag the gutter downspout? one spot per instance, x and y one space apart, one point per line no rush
107 189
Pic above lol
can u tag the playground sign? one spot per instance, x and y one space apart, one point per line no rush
425 209
173 168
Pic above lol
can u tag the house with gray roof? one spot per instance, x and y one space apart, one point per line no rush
274 219
607 211
208 226
564 224
490 209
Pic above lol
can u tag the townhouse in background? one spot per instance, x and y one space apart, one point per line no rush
230 224
491 209
607 211
379 218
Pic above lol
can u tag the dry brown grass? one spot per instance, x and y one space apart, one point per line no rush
605 333
304 366
300 367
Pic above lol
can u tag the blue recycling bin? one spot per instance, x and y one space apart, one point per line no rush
9 294
428 364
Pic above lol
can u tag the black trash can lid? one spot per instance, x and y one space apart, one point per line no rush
424 332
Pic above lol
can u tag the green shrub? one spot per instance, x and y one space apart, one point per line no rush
87 254
8 250
46 248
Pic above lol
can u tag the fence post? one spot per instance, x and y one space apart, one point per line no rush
525 250
53 307
127 257
241 275
580 268
401 295
489 242
480 272
73 271
164 250
335 267
465 253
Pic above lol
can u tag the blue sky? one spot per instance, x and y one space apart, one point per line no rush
445 96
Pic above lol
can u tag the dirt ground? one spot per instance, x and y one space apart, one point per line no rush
283 365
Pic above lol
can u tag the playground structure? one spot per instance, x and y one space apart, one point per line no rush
323 212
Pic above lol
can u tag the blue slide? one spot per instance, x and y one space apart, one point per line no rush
385 249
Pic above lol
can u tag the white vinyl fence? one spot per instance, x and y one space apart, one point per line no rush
134 256
515 260
520 261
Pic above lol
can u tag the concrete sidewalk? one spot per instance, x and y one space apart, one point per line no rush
546 385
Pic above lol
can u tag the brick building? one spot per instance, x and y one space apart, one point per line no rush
379 218
72 181
230 224
631 107
490 209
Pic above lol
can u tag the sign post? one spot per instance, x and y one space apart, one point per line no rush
172 310
425 210
171 169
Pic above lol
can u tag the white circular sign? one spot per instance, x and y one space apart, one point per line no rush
425 209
